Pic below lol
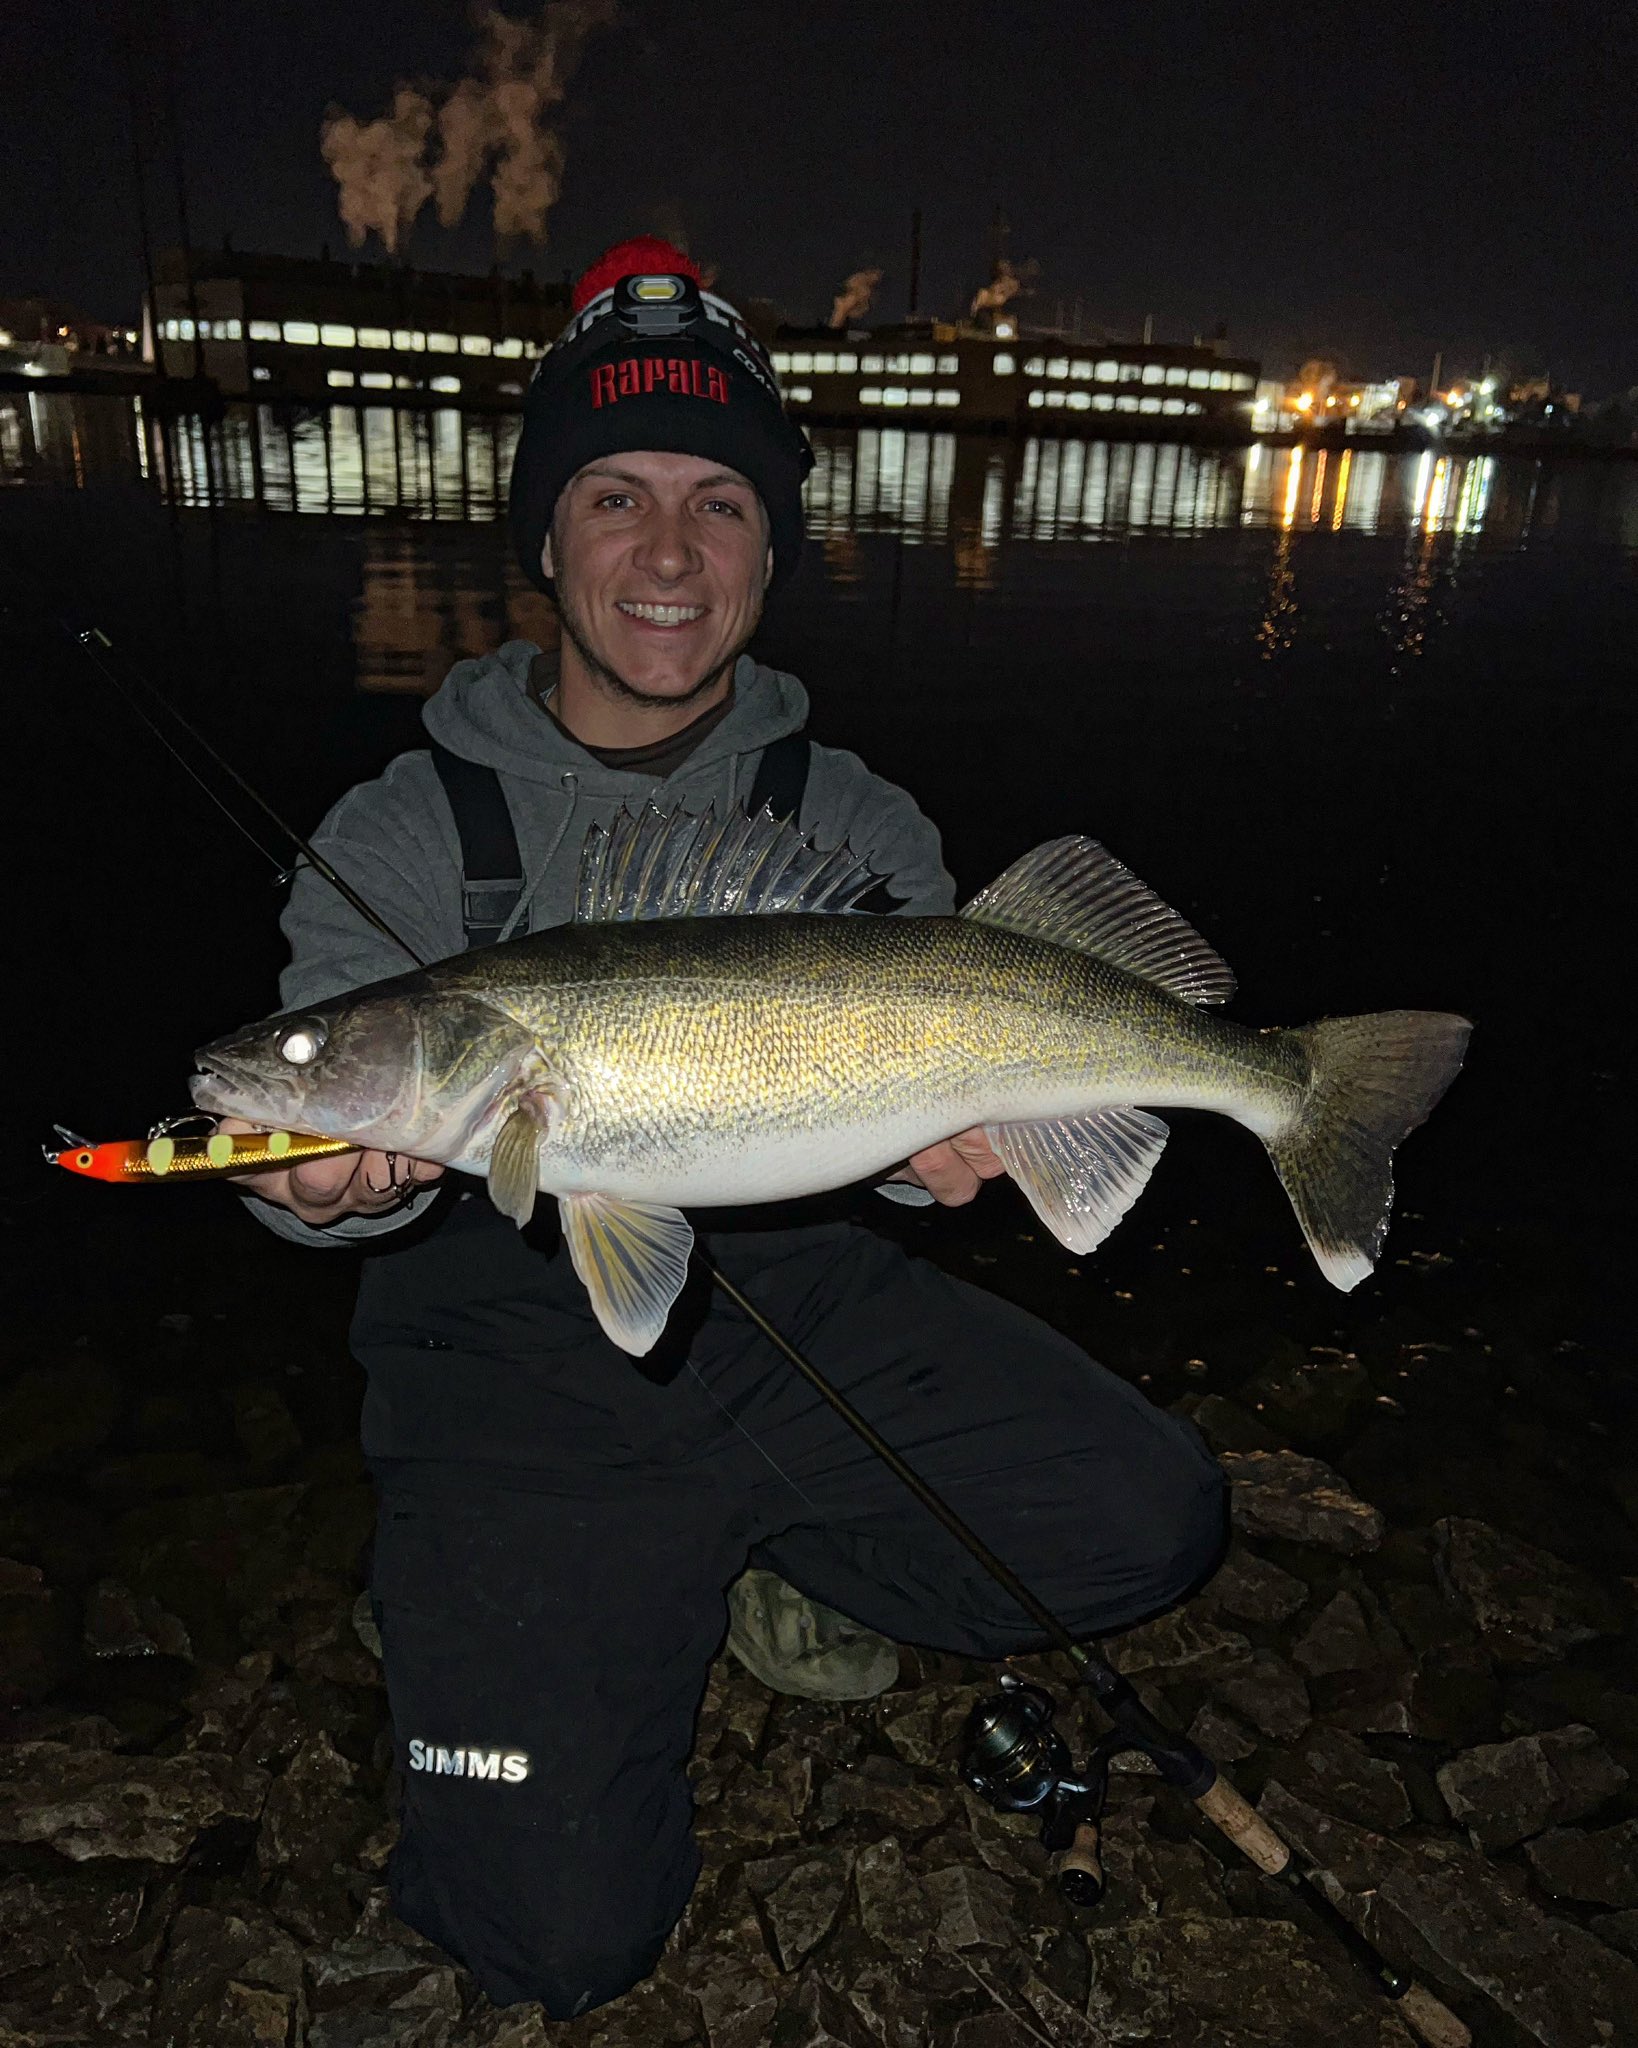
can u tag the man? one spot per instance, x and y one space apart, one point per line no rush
558 1523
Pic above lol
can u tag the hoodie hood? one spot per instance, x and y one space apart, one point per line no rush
486 711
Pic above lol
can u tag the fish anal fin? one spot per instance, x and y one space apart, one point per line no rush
632 1258
1082 1173
1074 892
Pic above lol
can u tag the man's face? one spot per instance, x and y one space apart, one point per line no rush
660 563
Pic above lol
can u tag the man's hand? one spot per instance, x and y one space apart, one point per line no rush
321 1191
953 1172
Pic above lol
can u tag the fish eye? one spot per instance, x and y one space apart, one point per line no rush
303 1042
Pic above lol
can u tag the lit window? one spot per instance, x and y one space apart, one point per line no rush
824 362
1079 401
405 384
846 363
1103 401
802 362
264 330
1177 374
949 366
781 360
185 330
446 383
375 337
1219 380
340 380
898 366
172 330
1080 369
262 374
1131 373
235 331
511 390
872 366
1003 365
510 347
1126 402
1055 399
800 394
476 345
1171 405
1107 371
1195 406
1154 373
1035 367
1149 405
302 333
921 365
376 380
1242 380
946 397
535 349
336 334
1037 398
871 395
443 344
408 340
895 394
1058 366
1200 380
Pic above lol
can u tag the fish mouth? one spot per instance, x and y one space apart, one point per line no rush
222 1087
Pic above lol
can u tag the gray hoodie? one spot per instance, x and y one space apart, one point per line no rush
394 839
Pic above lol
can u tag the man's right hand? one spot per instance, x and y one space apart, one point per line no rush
321 1191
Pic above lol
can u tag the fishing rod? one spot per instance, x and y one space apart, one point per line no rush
1012 1755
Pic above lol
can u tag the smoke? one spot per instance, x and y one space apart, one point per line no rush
1004 285
495 118
378 166
852 302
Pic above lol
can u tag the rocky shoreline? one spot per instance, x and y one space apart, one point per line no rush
1419 1661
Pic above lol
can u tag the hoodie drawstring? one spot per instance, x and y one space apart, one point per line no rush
571 783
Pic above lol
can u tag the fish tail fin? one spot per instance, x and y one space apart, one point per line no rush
1372 1080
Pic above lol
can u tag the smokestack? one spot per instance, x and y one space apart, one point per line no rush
852 302
495 118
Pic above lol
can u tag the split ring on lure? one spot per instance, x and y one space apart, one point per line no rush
211 1156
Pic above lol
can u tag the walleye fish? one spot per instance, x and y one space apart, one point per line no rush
704 1033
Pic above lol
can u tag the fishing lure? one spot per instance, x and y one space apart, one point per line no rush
166 1156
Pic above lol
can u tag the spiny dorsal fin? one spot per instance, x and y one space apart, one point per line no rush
676 864
1075 893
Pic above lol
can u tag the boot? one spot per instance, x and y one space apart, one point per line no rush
796 1646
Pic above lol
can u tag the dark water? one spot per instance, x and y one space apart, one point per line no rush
1366 719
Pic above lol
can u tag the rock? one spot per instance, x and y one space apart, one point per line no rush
893 1908
87 1803
54 1417
1180 1644
1425 1616
43 1918
927 1732
262 1422
229 1977
1267 1693
360 2029
1505 1791
1228 1984
1311 1396
120 1623
1146 1875
1224 1739
1620 1930
311 1820
1007 1843
1598 1868
1530 1606
1554 1981
1225 1425
1253 1589
1278 1493
802 1908
1447 1695
887 1793
1064 2024
36 1636
1348 1634
831 2020
1336 1771
975 1908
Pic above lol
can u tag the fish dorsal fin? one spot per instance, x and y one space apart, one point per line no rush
653 863
1075 893
1081 1173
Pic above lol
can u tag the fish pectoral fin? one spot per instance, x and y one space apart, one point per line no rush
1081 1173
514 1164
632 1258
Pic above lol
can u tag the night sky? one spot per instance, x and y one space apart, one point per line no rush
1366 182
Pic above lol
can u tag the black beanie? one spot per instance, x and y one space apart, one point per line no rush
650 360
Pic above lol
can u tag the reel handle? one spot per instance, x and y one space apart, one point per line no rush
1080 1867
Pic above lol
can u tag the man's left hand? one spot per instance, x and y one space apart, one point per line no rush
953 1172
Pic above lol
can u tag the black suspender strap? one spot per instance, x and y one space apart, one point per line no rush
491 866
782 777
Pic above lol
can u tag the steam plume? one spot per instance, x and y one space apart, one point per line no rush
495 118
852 302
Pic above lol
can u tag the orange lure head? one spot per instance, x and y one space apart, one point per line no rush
96 1162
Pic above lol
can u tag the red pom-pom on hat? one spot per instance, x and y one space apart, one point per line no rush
643 255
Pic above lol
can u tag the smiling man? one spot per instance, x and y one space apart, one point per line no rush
563 1533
